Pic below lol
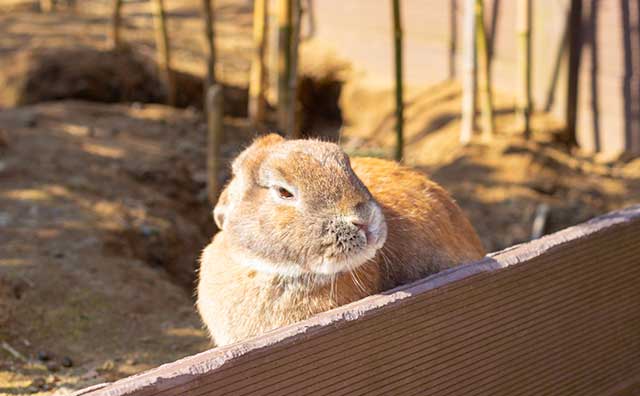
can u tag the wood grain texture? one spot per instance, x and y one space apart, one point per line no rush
558 315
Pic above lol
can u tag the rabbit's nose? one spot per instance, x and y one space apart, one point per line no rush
361 225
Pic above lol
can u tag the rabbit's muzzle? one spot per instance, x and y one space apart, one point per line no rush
347 236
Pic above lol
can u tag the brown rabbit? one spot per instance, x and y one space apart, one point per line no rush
304 230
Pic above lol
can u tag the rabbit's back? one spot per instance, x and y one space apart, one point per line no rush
427 230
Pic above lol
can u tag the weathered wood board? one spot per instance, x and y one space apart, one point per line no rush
559 315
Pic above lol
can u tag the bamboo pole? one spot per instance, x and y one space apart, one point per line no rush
292 119
284 64
209 34
214 104
397 46
469 74
116 21
47 5
484 74
214 107
164 50
453 37
575 46
257 83
523 23
273 56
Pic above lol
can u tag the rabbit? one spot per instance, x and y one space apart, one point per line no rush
304 229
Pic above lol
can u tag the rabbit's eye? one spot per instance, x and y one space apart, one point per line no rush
284 193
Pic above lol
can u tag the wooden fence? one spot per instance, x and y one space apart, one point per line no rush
559 315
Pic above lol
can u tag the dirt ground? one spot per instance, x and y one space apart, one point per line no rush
103 209
103 214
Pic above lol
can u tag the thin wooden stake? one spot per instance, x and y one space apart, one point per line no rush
575 49
453 37
292 119
484 74
116 21
257 83
397 47
47 5
164 50
284 64
469 74
207 9
523 22
13 352
540 220
215 136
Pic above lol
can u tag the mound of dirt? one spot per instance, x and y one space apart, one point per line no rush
110 76
46 74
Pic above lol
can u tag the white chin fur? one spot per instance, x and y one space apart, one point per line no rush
268 267
331 267
324 267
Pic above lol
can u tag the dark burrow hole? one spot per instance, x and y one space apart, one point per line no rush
319 100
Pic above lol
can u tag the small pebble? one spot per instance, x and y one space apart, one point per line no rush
28 120
4 139
38 382
203 195
43 356
5 219
67 362
52 379
53 366
148 231
89 374
108 365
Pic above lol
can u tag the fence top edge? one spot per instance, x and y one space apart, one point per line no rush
216 358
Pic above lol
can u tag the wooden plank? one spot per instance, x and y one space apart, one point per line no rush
558 315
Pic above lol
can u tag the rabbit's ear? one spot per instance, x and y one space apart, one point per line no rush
220 211
249 157
243 167
267 140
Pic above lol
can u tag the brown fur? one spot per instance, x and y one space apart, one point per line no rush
425 233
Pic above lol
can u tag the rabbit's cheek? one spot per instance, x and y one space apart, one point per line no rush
377 235
285 217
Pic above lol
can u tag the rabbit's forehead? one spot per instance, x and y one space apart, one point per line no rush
323 152
302 159
300 166
324 175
